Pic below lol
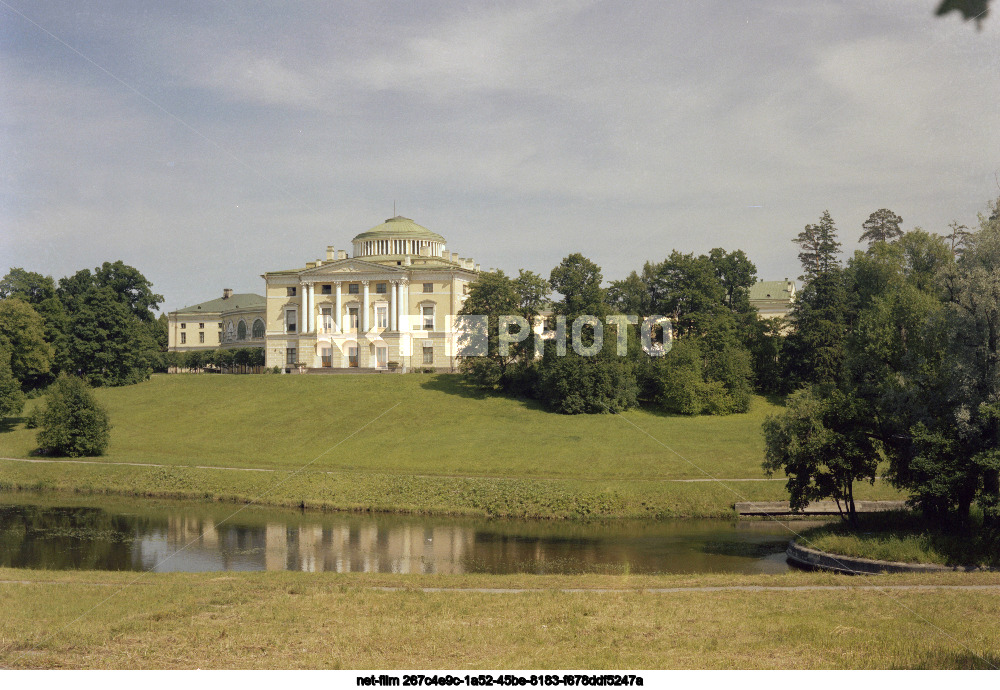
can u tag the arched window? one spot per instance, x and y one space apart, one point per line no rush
241 330
258 329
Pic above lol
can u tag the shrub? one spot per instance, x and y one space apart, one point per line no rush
586 385
73 424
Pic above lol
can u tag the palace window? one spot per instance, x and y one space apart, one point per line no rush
258 329
183 325
382 317
326 290
201 325
220 336
353 288
290 321
352 314
428 355
326 319
183 338
201 337
291 356
241 330
380 288
428 313
428 287
290 292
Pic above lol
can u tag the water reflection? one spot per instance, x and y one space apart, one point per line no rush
195 537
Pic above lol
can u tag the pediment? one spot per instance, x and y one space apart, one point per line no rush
338 268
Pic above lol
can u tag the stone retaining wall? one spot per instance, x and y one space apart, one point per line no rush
805 557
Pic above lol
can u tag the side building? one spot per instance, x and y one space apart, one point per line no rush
773 298
230 321
391 305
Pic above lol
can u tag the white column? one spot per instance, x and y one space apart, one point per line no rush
364 306
404 306
337 315
309 308
303 307
393 304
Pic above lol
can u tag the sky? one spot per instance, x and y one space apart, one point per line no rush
205 143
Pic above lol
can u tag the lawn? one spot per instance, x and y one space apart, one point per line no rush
904 537
323 620
409 424
412 442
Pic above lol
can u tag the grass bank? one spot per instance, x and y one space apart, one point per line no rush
322 620
904 537
408 443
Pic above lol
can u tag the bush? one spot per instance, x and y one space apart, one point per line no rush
586 385
73 424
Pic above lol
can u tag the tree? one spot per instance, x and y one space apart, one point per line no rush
130 287
687 289
40 292
819 247
969 9
532 293
631 295
821 446
578 280
22 337
73 424
814 351
107 345
113 336
493 295
11 397
737 274
881 226
957 238
955 444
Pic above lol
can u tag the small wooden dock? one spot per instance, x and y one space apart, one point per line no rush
815 508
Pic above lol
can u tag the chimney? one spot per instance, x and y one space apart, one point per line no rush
341 254
227 293
331 253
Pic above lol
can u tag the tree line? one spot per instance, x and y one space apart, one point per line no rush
894 368
722 353
243 360
97 325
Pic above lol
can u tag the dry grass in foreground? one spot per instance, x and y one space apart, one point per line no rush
302 620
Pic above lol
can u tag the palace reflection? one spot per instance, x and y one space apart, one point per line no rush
360 548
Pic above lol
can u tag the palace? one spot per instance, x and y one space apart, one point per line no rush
392 305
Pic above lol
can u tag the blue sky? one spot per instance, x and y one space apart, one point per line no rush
206 143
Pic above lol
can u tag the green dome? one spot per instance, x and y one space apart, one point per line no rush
399 228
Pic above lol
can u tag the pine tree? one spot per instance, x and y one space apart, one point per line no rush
881 226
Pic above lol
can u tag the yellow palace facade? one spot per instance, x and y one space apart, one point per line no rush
391 305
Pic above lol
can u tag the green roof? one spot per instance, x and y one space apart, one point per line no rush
399 228
246 300
770 289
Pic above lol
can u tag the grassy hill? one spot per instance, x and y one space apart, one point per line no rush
407 442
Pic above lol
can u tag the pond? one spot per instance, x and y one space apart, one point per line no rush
39 531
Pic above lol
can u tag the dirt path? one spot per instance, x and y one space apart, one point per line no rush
430 476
